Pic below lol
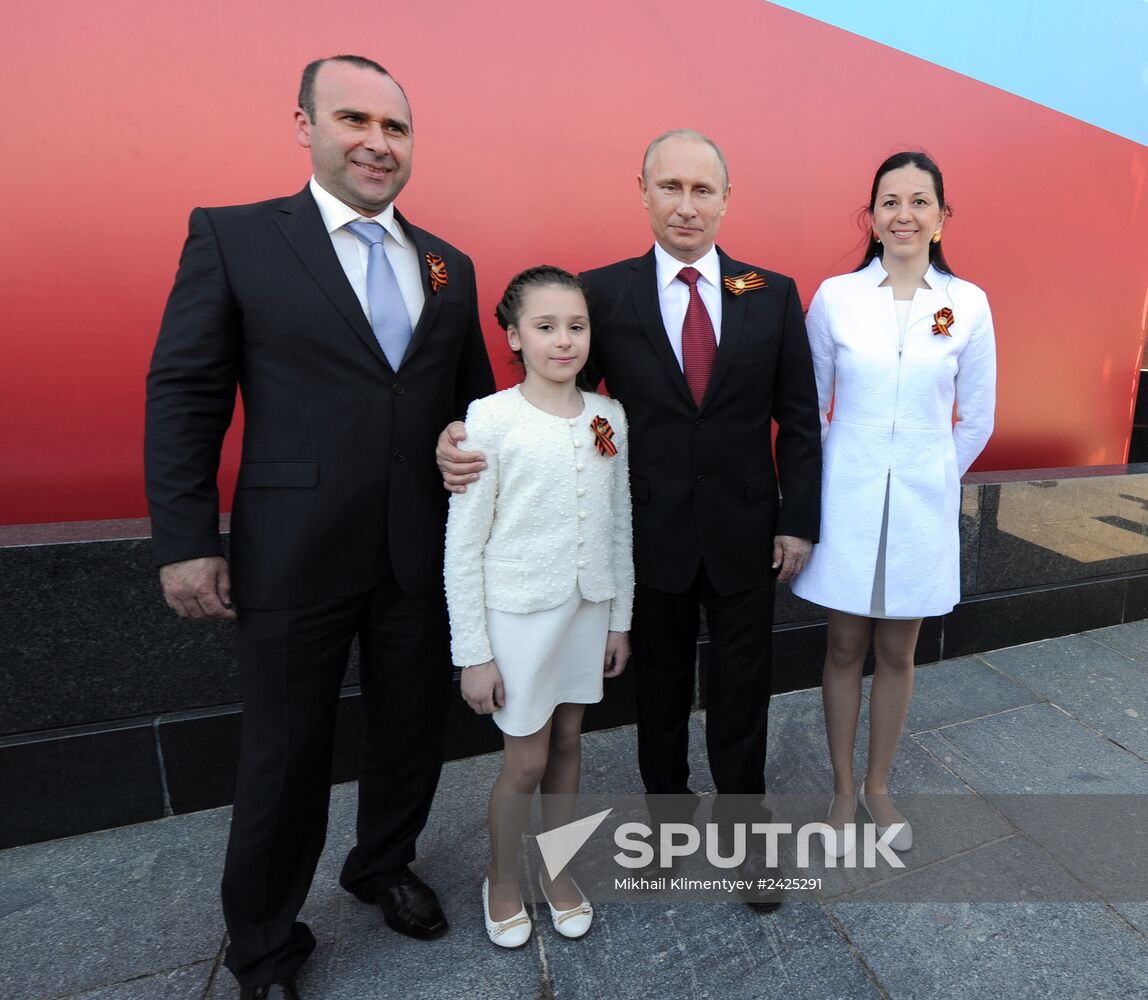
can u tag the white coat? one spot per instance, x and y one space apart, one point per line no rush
548 515
892 420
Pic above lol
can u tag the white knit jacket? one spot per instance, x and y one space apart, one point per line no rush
549 513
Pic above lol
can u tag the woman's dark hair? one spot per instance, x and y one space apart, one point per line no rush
509 308
922 161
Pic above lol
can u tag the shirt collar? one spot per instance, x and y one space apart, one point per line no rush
708 266
877 273
337 214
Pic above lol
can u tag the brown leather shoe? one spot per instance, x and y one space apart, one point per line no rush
285 990
411 907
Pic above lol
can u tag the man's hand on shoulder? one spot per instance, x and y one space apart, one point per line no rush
457 467
790 556
198 588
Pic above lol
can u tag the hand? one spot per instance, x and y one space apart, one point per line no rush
457 467
198 588
617 653
482 688
791 554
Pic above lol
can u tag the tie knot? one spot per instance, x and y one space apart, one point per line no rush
369 232
689 275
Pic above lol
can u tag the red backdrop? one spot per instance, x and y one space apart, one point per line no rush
530 123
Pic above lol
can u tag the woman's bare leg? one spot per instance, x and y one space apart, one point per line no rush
894 645
847 643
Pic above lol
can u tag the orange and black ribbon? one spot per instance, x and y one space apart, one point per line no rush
944 319
743 282
437 272
603 436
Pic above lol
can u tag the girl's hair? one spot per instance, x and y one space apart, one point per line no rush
507 310
922 161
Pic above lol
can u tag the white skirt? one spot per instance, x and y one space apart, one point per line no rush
548 658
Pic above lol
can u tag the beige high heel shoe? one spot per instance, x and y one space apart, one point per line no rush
902 839
845 841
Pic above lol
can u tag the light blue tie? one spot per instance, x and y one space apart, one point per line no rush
389 318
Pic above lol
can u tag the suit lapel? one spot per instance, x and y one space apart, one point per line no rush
424 243
302 226
644 291
733 310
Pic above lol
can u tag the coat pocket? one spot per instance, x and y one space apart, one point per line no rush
263 475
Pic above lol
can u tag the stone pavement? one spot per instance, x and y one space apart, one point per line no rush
133 913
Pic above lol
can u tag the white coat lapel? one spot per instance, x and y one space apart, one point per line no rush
929 301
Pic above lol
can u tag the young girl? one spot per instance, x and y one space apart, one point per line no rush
540 579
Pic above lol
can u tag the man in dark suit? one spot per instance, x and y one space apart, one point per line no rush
353 336
704 352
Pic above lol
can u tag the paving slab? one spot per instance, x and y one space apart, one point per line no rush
958 690
1135 913
1036 750
706 951
1012 869
1131 638
1023 951
1092 681
106 907
797 757
187 983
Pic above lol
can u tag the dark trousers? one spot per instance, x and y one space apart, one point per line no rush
292 664
664 636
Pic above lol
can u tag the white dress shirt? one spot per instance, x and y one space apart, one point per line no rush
674 295
352 252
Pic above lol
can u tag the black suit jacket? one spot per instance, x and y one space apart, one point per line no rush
704 482
338 472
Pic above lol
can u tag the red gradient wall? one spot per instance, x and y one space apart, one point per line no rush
530 122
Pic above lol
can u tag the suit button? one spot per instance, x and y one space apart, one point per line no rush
699 424
702 480
400 456
399 388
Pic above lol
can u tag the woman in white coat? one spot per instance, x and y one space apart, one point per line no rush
899 346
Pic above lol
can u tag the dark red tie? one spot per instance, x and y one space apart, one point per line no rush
698 342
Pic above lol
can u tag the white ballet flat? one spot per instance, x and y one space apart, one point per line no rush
845 841
513 932
902 840
572 923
